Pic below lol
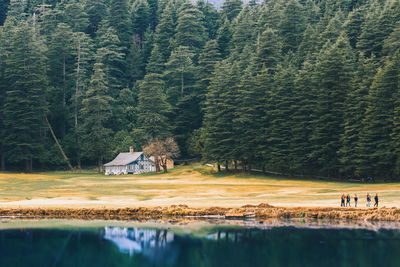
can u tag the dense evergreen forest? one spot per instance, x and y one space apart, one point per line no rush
294 86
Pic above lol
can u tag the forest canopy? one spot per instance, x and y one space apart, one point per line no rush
304 87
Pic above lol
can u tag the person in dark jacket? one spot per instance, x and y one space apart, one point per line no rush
342 199
355 200
348 198
376 198
368 200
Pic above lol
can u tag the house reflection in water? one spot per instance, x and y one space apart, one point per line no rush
137 240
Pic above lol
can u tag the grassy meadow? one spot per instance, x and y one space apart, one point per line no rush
197 186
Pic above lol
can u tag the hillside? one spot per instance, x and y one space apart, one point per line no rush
295 87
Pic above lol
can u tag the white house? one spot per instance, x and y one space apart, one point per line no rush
130 163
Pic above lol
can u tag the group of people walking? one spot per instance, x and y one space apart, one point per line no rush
345 200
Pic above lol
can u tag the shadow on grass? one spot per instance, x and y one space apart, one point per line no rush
223 174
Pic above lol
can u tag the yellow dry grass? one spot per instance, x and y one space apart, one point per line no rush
196 186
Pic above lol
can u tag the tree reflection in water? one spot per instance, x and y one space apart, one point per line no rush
212 246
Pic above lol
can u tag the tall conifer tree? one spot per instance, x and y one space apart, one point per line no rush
97 111
25 100
333 75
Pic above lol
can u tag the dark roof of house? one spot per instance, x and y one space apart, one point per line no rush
124 159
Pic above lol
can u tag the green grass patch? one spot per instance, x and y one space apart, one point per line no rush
192 185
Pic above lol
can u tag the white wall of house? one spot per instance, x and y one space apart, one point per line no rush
142 167
116 170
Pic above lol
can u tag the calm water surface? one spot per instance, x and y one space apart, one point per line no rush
207 246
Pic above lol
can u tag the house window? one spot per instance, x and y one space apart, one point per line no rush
141 167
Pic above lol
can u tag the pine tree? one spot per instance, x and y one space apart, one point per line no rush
110 54
156 62
207 61
210 18
165 33
378 25
214 123
270 15
333 75
3 87
303 116
140 20
231 8
25 99
153 110
332 31
153 15
49 19
3 11
179 74
280 102
369 32
268 50
252 122
242 32
74 14
96 112
292 26
83 52
391 43
250 115
376 147
97 12
224 36
124 110
17 8
220 135
190 30
355 108
392 68
312 11
309 45
119 20
353 26
187 118
135 65
61 71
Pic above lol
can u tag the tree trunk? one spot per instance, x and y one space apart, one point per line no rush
77 84
58 144
164 163
236 165
79 153
226 165
157 162
79 163
219 167
182 85
100 164
2 162
64 101
28 165
263 168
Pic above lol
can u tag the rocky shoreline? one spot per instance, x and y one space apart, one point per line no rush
259 212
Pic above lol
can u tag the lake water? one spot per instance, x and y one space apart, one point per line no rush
113 244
